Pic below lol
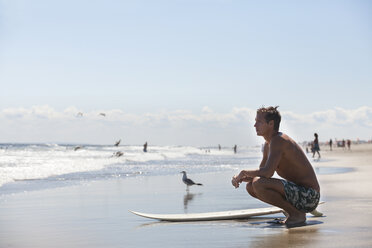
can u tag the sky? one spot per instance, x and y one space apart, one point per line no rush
183 72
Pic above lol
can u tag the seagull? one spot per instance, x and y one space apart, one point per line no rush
118 154
80 114
188 181
103 114
117 142
77 148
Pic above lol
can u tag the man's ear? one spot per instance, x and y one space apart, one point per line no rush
271 123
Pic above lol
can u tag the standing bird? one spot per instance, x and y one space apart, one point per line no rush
188 181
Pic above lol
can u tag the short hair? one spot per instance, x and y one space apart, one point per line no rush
271 113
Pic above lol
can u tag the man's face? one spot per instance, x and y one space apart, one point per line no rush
261 125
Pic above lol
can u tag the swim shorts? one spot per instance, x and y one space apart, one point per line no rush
303 198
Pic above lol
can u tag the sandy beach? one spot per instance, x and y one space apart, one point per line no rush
95 214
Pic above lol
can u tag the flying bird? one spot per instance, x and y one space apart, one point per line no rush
77 148
188 181
103 114
80 114
117 142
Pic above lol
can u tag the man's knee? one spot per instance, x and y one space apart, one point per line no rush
249 189
262 184
258 183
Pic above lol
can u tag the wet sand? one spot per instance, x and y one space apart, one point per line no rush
95 214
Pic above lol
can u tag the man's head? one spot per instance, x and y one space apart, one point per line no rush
270 117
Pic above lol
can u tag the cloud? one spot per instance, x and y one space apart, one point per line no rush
44 124
335 117
361 116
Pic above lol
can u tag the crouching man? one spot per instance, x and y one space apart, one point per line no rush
298 192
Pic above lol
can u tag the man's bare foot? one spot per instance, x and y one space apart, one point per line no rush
296 219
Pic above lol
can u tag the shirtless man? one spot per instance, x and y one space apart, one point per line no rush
298 192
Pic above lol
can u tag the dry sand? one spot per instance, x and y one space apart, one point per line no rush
95 214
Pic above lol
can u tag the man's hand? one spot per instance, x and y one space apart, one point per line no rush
235 181
243 176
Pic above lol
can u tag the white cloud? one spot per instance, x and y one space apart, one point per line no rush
45 124
336 117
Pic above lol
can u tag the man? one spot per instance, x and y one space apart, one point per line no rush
299 192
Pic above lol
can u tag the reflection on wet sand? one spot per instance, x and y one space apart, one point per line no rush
254 223
187 198
292 237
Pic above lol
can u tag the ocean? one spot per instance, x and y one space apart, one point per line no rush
27 167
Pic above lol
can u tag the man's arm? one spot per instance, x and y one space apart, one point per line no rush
271 158
245 173
243 176
265 154
272 162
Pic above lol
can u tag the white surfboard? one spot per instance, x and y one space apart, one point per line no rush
222 215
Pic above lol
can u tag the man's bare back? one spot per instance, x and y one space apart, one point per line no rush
294 165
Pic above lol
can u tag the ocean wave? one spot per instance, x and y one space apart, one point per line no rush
52 162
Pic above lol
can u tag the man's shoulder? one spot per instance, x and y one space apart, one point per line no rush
281 140
281 137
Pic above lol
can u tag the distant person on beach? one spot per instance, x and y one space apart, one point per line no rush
219 147
235 149
145 147
298 192
316 147
348 142
330 144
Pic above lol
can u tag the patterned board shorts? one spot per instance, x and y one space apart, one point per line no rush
302 198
